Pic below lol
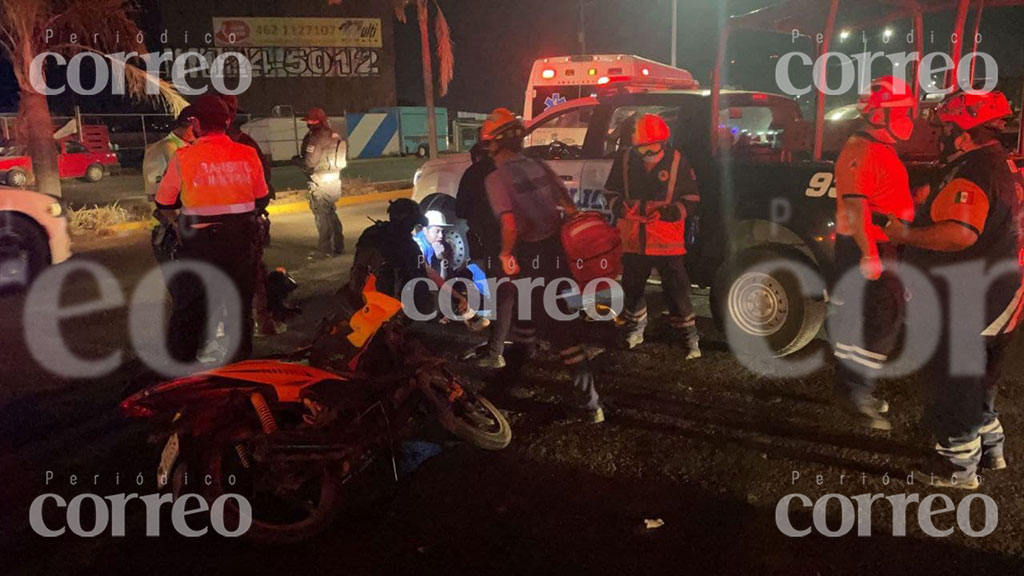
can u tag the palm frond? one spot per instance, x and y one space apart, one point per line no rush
445 50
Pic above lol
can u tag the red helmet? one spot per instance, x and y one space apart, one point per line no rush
968 111
886 92
501 124
650 129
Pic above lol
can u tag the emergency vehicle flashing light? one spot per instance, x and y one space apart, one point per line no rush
548 73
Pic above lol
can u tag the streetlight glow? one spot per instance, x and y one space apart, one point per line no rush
844 35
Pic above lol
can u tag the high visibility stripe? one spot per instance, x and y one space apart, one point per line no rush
242 208
1004 318
961 450
1016 318
858 350
858 360
993 427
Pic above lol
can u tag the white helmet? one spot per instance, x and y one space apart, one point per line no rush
436 218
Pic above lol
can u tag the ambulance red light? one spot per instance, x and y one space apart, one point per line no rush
547 73
760 97
603 80
646 71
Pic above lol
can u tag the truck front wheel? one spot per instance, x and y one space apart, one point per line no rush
769 301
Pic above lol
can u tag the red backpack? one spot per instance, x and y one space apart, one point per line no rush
593 247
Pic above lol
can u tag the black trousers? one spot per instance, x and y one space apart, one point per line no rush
546 260
675 284
325 215
879 314
229 247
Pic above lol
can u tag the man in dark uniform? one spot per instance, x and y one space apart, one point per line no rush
472 205
871 184
968 234
651 189
388 251
265 323
529 199
323 158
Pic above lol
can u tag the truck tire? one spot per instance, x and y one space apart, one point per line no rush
17 178
94 173
24 252
760 305
458 235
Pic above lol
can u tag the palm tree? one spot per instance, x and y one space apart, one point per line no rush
103 27
445 55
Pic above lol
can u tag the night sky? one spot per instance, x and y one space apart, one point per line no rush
498 40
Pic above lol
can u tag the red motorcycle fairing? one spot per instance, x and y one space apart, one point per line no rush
287 380
277 380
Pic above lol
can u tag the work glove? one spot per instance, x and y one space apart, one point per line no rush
670 213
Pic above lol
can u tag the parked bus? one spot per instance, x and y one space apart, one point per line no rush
563 78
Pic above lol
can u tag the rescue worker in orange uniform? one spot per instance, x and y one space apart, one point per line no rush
971 228
214 190
871 184
528 199
651 189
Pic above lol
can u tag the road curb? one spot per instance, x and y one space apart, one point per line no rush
273 209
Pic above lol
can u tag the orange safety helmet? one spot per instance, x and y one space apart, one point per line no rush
886 92
967 111
650 129
501 124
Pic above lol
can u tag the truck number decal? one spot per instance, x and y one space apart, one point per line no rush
821 183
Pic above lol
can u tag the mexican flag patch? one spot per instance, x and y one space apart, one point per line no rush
964 197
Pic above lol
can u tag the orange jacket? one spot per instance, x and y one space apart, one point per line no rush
212 177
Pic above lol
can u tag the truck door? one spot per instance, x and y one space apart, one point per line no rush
559 141
609 138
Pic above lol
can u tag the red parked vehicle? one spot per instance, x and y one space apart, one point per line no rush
89 158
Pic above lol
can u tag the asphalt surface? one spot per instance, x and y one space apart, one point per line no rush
707 447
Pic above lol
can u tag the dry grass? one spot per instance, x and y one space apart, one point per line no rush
97 218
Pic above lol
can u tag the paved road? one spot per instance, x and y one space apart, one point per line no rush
707 447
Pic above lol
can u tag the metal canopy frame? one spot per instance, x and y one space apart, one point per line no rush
819 17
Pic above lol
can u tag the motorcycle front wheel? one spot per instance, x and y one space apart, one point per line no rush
480 423
468 415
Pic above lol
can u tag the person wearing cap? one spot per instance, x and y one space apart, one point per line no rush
529 199
323 158
266 325
968 236
388 251
867 295
651 190
158 155
213 190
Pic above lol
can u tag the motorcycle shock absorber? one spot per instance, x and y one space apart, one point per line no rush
267 421
243 456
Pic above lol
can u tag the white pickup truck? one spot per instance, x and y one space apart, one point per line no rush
557 136
33 235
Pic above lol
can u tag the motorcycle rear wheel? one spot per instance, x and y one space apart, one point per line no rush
318 497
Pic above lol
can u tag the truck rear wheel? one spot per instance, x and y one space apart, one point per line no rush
94 173
762 305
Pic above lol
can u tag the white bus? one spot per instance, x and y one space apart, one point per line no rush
563 78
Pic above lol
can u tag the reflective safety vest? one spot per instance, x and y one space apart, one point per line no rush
643 231
219 176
